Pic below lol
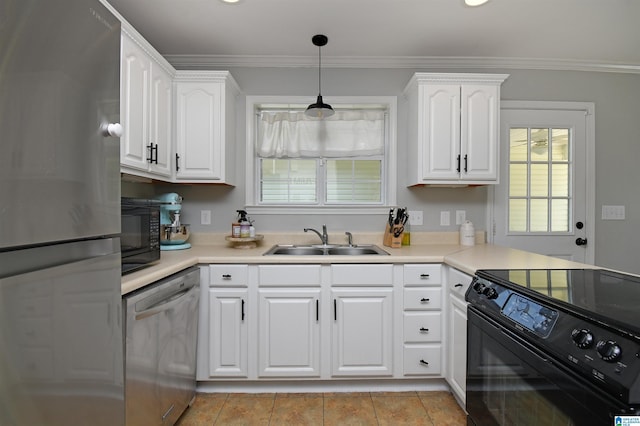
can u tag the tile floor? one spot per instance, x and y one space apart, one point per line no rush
360 408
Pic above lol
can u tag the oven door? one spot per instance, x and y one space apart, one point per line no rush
509 382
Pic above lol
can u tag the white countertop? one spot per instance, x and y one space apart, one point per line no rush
429 248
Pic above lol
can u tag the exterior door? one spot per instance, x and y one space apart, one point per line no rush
545 200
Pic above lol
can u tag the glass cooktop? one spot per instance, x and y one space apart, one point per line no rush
609 297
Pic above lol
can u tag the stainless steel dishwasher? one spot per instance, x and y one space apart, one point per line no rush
161 328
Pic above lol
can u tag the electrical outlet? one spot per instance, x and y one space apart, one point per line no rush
461 216
445 218
205 217
415 217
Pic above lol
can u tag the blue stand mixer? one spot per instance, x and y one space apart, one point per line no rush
173 234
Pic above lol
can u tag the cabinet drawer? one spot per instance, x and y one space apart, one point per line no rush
458 283
423 298
422 361
422 327
423 274
370 275
282 275
228 275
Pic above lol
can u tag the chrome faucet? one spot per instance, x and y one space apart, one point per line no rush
323 237
350 238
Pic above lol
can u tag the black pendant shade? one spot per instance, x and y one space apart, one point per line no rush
319 109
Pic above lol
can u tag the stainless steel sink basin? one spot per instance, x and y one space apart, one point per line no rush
333 250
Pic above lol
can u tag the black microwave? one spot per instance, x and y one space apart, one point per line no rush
140 233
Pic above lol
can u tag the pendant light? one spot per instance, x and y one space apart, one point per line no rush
319 109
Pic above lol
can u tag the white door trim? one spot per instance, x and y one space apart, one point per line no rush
590 146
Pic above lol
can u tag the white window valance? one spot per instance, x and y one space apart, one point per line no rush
345 134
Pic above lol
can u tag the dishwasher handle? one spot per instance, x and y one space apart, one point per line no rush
164 304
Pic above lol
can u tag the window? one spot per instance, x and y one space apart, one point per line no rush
298 163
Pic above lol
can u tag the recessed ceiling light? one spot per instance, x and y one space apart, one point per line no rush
475 2
230 1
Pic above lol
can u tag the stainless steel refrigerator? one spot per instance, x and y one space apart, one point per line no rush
61 345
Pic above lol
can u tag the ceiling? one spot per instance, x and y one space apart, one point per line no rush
593 34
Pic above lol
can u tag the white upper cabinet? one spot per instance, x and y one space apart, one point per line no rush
453 128
205 126
146 111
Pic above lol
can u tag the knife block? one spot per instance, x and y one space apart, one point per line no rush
390 239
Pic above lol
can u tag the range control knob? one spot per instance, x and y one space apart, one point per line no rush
479 287
490 292
609 350
582 338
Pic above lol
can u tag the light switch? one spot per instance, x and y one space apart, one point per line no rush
461 216
613 213
445 218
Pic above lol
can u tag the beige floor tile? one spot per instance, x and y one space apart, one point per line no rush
443 409
297 410
349 410
246 410
400 410
204 410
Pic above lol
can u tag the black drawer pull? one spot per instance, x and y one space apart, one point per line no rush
424 330
423 362
459 285
424 276
424 300
226 276
242 314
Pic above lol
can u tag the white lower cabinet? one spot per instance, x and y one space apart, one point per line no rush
322 322
223 334
458 282
289 332
228 332
422 320
362 332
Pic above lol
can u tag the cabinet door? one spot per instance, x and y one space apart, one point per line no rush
199 130
457 350
362 332
289 332
228 332
161 121
134 105
479 132
440 131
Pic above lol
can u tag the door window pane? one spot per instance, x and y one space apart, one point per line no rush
539 180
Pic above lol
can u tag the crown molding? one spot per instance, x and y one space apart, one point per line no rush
396 62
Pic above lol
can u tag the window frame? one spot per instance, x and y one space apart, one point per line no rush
389 163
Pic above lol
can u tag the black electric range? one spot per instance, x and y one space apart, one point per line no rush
587 320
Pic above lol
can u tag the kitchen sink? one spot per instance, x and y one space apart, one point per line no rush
329 250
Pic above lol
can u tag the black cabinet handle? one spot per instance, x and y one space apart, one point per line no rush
424 330
226 276
317 310
177 162
424 300
150 153
465 163
458 167
423 362
458 285
424 276
335 310
242 314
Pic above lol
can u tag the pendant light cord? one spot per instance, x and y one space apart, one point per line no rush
319 70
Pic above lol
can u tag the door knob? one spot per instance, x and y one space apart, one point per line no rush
581 241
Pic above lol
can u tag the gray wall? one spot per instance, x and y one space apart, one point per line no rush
617 100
